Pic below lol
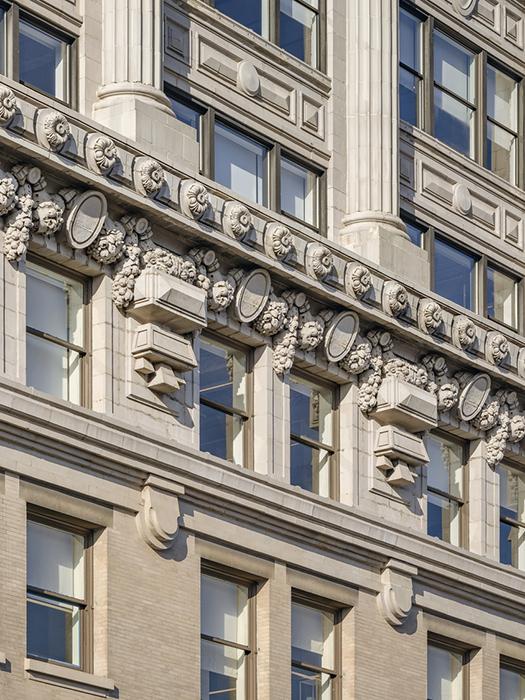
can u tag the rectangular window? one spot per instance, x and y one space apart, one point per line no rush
501 296
312 451
416 232
313 653
241 164
57 592
410 68
455 273
299 29
511 684
224 400
187 114
254 14
512 516
298 191
227 638
502 123
56 348
446 489
447 673
43 60
454 94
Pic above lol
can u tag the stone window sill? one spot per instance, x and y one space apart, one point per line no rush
65 677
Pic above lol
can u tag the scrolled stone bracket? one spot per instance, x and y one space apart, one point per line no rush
158 518
395 600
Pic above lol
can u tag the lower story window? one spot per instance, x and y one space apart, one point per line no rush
511 683
447 673
512 516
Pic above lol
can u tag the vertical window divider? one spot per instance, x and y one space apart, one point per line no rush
13 43
428 79
208 142
520 126
481 291
481 116
274 178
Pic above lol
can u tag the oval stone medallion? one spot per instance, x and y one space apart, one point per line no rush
340 335
473 396
252 295
86 219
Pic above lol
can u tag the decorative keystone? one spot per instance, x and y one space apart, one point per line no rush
158 518
395 599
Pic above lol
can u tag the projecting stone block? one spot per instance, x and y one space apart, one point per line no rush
167 300
406 405
160 346
397 444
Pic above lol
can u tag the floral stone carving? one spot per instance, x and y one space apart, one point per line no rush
108 248
52 130
278 241
463 332
148 176
496 348
358 280
429 316
237 220
319 261
194 199
101 153
7 105
395 298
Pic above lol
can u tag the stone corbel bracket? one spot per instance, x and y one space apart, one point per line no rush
158 517
396 597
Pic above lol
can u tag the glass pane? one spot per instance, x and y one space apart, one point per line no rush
445 466
511 545
240 164
444 674
454 274
310 685
415 233
312 636
186 114
310 468
410 40
512 493
42 60
453 123
53 630
501 296
252 14
408 96
224 610
55 560
454 67
53 369
298 31
511 685
223 674
443 519
501 97
311 410
501 152
54 304
223 374
298 191
221 434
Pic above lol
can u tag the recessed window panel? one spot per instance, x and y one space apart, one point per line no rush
240 163
298 191
43 60
298 30
501 296
454 274
444 674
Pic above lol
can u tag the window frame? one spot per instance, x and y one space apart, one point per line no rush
509 664
518 524
456 647
85 351
334 449
85 605
463 503
481 60
209 115
13 15
428 236
247 414
252 583
273 33
325 605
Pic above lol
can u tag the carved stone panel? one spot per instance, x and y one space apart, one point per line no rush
473 396
340 335
86 219
252 295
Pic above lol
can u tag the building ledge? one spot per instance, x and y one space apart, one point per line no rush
66 677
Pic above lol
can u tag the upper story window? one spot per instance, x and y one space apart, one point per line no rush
294 25
57 592
446 484
467 278
447 672
56 348
253 168
312 432
471 103
225 400
511 683
314 662
512 516
227 638
40 54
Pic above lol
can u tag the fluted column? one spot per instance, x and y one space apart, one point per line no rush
372 226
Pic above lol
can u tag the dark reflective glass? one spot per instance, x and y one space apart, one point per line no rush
507 535
298 31
306 684
186 114
215 374
42 63
304 460
52 630
304 412
415 233
454 274
246 12
408 97
453 122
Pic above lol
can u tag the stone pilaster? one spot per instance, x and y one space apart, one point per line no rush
372 227
131 99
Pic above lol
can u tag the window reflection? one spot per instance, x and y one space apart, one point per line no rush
42 60
501 296
444 674
512 516
445 484
313 653
511 684
454 273
410 67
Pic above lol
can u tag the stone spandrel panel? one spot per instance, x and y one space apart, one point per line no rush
207 50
